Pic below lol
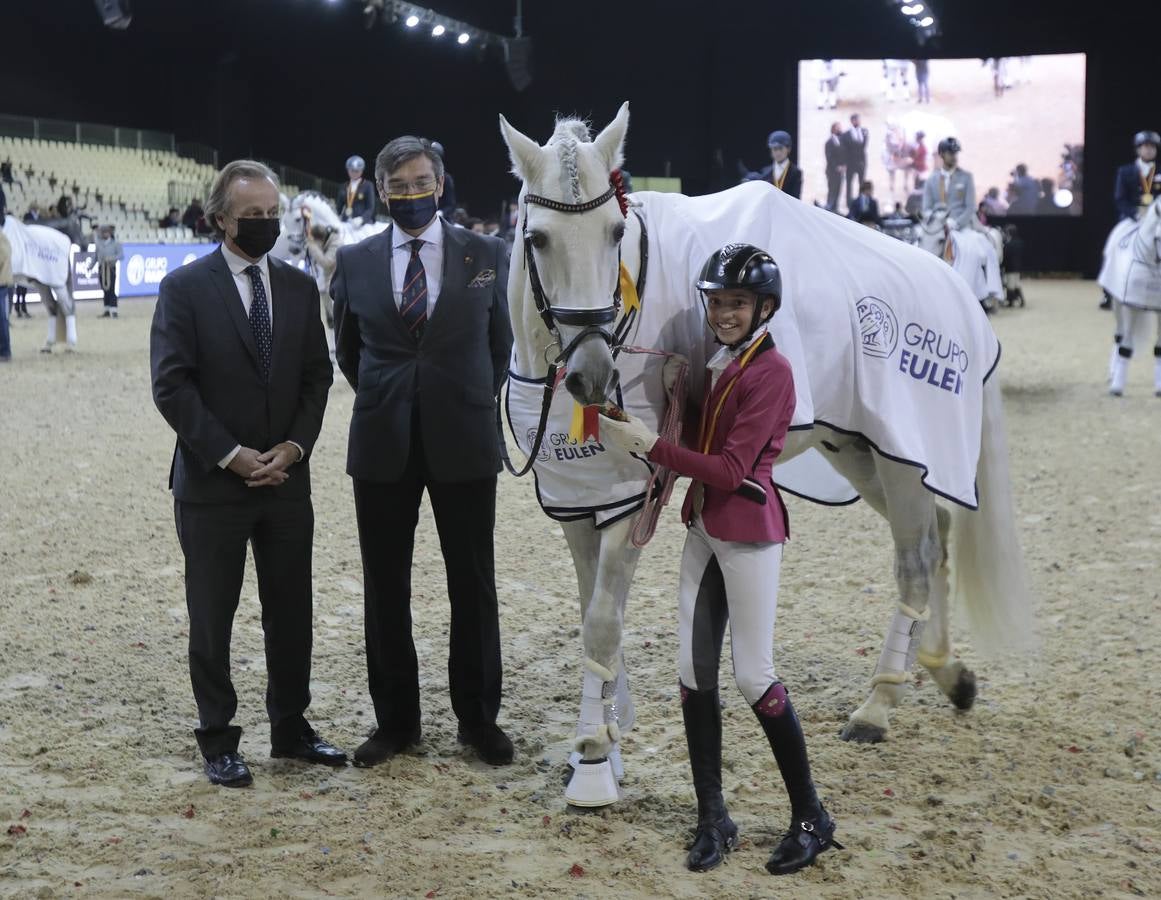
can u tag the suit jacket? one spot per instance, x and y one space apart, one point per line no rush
1027 196
740 502
863 205
836 154
453 372
364 203
793 183
960 200
1128 190
208 385
855 151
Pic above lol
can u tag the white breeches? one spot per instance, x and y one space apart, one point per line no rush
726 582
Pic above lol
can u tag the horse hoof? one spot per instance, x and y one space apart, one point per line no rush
863 733
964 693
593 784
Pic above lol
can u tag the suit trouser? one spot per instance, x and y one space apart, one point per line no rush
465 517
853 172
734 583
213 537
834 186
109 285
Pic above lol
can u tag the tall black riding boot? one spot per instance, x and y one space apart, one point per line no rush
811 829
716 833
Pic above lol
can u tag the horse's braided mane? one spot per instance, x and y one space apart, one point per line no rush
568 134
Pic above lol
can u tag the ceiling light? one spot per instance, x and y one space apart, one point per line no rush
926 22
463 38
437 31
914 10
411 21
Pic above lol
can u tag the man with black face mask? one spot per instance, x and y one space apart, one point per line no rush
241 372
423 336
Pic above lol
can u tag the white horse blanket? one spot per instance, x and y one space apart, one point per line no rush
1126 272
38 252
884 340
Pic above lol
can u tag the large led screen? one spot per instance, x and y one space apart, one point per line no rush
1019 121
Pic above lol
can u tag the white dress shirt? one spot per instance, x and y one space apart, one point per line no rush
238 266
1144 167
779 168
430 254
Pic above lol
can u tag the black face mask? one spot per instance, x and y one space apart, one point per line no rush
256 237
412 211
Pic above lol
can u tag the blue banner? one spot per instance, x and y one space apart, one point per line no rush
145 265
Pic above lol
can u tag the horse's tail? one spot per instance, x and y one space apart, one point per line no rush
987 565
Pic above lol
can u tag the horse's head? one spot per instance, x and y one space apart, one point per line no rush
308 207
570 227
932 230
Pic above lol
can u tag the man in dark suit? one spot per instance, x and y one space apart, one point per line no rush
423 336
865 209
241 372
836 166
855 147
1025 192
1137 178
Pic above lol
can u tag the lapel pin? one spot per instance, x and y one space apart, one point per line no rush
467 260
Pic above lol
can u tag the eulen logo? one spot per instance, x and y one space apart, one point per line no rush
531 438
878 327
135 269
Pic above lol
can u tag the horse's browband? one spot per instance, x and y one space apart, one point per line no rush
561 206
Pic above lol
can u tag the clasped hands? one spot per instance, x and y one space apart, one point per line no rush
264 469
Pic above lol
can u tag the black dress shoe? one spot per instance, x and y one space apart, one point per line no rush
228 770
803 842
383 745
493 746
312 749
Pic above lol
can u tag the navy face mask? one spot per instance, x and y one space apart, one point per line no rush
256 237
412 211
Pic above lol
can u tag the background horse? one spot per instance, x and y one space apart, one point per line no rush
974 254
1131 275
853 300
40 260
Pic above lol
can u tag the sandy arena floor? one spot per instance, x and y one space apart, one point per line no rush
1050 787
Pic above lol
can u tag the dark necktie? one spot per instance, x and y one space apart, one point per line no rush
413 302
259 318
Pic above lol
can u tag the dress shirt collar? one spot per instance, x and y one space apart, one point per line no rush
433 234
239 264
722 359
1144 167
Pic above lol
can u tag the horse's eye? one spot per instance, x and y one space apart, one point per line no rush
618 234
539 239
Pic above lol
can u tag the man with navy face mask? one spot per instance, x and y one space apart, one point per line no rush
422 335
241 372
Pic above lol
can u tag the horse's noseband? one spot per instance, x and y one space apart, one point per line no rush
590 321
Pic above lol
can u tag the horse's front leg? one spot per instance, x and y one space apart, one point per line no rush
604 696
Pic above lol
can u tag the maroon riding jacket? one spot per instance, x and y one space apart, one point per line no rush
740 500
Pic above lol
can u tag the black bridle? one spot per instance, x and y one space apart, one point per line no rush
592 322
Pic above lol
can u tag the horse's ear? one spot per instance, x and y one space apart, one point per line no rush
610 143
524 151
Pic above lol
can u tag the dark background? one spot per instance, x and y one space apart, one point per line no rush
303 82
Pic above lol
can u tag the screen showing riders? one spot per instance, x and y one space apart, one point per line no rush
951 186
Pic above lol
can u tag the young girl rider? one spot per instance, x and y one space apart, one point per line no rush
733 552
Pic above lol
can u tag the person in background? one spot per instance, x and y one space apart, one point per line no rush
1138 183
33 215
475 224
356 203
855 144
193 215
109 254
994 204
1046 203
491 227
1024 193
836 167
781 172
952 187
172 219
5 280
447 200
919 159
865 209
736 525
6 173
921 76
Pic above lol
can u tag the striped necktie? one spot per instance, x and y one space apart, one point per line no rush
260 318
413 302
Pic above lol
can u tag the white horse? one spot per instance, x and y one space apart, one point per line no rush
40 260
853 302
1131 274
291 245
973 253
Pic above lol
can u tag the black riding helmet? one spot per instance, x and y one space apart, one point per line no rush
744 267
949 145
1147 137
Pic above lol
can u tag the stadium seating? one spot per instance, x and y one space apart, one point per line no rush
128 188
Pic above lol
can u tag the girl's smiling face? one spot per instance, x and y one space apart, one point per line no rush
731 311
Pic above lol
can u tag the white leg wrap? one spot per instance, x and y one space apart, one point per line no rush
71 330
1157 374
900 646
50 339
1120 375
